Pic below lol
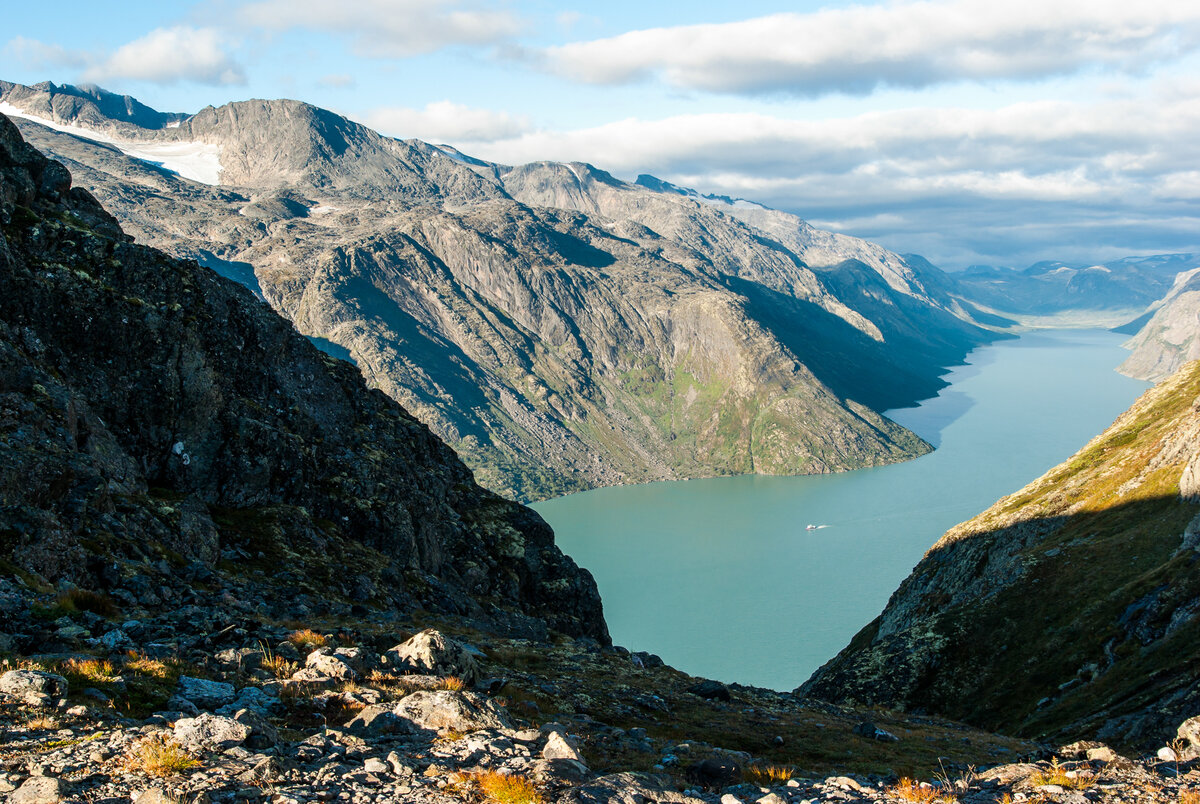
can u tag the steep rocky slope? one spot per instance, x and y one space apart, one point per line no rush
1072 606
1170 333
158 424
559 329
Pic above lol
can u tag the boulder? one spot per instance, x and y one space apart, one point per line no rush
377 720
21 682
211 732
557 747
448 709
710 690
433 652
204 693
714 773
1189 734
330 665
262 733
39 790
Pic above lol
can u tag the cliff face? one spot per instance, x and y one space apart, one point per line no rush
1072 606
558 328
151 411
1170 335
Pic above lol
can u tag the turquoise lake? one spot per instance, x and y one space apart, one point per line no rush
721 578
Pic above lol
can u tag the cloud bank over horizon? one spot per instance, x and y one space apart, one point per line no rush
859 49
960 129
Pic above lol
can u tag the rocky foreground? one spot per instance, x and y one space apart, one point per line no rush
217 704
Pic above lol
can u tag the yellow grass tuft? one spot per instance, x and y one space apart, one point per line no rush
500 788
1191 796
453 683
1058 775
42 723
168 670
92 671
767 775
306 638
912 791
160 758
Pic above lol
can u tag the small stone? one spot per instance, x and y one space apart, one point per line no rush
845 782
1102 754
1167 754
117 641
729 798
772 798
375 765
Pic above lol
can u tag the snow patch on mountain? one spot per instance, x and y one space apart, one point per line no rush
197 161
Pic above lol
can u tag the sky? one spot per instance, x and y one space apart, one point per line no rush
968 131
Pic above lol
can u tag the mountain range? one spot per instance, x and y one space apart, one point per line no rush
559 328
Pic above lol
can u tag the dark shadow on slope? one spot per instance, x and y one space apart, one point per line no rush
897 373
1055 628
1135 326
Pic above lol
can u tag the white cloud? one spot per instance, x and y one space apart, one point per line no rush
962 185
447 122
169 56
337 81
388 28
904 44
39 55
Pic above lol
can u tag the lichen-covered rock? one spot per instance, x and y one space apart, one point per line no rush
39 790
329 665
432 652
449 709
210 732
1189 733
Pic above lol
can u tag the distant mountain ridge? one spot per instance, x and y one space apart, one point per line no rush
561 329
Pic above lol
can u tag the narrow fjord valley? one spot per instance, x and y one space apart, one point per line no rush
270 381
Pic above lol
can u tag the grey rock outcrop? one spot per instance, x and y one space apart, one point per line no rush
210 732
